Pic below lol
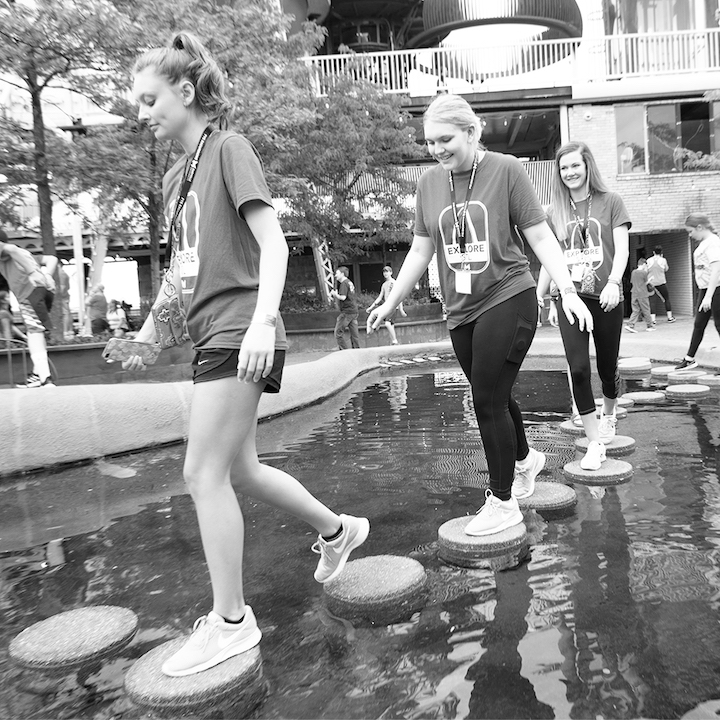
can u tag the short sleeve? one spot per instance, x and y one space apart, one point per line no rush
243 172
712 252
420 226
618 212
525 208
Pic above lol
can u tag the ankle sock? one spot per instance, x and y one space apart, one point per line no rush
233 622
334 536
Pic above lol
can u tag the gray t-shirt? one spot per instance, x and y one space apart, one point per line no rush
218 255
502 199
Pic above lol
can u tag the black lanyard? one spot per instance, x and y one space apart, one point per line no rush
586 222
461 227
183 191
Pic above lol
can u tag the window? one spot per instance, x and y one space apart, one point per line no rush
674 137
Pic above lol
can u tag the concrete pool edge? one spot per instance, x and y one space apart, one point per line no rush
77 423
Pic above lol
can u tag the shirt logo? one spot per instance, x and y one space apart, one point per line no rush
476 257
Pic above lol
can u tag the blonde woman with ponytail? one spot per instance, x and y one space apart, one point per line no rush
232 258
706 259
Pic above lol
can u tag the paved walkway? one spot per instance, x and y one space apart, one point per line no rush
76 423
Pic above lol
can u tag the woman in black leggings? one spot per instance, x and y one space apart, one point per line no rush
592 226
467 209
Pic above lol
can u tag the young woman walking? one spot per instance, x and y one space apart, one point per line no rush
231 256
467 209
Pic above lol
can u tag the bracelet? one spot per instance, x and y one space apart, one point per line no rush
269 320
614 281
569 290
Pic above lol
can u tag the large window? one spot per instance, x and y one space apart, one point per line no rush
665 138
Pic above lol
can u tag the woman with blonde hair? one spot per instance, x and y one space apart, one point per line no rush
467 210
706 259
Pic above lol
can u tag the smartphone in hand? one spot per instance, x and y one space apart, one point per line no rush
119 349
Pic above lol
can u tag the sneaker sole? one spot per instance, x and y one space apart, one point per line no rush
532 489
510 522
355 543
247 644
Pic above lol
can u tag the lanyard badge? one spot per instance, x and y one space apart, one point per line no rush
463 277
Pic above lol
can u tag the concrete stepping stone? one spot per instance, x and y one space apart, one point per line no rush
70 640
234 688
620 445
612 472
685 376
686 392
711 381
457 548
662 371
434 358
646 397
634 366
550 498
621 402
406 362
380 589
569 427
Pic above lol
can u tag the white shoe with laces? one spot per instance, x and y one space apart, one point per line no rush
594 457
213 641
494 516
606 427
525 473
334 553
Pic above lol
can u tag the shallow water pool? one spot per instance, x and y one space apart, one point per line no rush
614 615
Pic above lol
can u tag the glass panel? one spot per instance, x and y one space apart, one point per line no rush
662 138
630 133
715 128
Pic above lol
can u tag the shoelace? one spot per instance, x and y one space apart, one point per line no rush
320 548
201 631
489 507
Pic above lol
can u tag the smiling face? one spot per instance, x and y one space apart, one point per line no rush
573 173
453 147
161 105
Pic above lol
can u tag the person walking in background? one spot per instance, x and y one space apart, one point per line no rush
117 320
467 209
64 294
640 292
706 259
382 297
592 226
230 294
34 290
8 331
97 308
657 266
347 304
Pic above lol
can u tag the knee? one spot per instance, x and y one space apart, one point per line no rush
580 375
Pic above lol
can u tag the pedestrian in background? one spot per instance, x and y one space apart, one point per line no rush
657 266
640 291
387 286
347 304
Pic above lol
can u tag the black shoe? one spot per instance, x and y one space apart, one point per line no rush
672 319
686 364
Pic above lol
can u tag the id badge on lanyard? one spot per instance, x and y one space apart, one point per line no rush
463 277
463 280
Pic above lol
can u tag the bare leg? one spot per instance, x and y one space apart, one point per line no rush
391 329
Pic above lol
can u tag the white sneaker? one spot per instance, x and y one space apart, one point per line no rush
525 473
494 516
334 554
606 426
212 641
594 457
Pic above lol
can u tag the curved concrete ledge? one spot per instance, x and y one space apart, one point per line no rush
82 422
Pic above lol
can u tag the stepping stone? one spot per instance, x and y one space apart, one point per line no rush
612 472
70 640
686 392
646 397
567 426
406 362
662 371
634 366
419 359
550 498
621 402
711 381
434 358
234 688
685 376
620 445
393 362
380 589
457 548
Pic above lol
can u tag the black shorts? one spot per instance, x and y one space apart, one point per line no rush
216 363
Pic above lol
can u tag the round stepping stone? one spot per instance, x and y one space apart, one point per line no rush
434 358
711 381
69 640
621 402
685 376
662 371
381 589
234 688
457 548
634 366
620 445
686 392
612 472
549 497
646 397
569 427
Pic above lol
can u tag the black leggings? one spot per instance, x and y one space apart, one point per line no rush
607 329
702 318
490 351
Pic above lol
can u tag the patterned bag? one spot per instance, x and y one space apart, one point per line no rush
168 314
587 284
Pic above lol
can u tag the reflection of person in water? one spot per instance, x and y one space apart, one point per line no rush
500 690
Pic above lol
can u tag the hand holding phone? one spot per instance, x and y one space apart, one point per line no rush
120 349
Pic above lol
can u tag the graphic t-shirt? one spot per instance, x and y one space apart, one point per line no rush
349 304
657 266
708 251
607 212
21 282
218 255
502 199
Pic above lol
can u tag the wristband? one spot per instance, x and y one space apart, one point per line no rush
614 281
269 320
569 290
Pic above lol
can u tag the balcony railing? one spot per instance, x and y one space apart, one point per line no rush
541 63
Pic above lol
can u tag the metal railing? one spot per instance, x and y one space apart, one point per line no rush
552 63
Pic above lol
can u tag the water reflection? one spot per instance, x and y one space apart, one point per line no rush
614 615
